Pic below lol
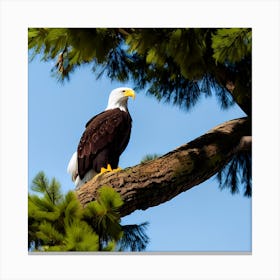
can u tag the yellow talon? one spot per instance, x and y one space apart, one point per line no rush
108 169
103 170
117 169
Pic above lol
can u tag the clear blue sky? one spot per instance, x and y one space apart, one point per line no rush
201 219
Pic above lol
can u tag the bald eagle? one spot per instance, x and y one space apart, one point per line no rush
105 138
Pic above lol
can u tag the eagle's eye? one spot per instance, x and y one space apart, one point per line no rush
123 90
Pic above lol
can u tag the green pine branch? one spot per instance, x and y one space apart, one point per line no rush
58 222
169 63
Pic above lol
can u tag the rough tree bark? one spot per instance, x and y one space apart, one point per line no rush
157 181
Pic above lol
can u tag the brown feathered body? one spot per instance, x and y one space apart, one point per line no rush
104 139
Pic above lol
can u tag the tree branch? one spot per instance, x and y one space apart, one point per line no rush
157 181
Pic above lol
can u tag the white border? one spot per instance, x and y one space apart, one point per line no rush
17 16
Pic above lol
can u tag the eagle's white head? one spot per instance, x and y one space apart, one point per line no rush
118 98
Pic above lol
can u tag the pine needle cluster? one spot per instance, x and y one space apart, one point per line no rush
149 157
237 174
58 222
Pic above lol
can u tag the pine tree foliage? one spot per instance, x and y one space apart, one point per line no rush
169 63
57 222
149 157
237 173
103 215
232 44
134 237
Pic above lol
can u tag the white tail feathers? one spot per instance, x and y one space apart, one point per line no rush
72 169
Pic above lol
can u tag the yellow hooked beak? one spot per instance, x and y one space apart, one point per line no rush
130 92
